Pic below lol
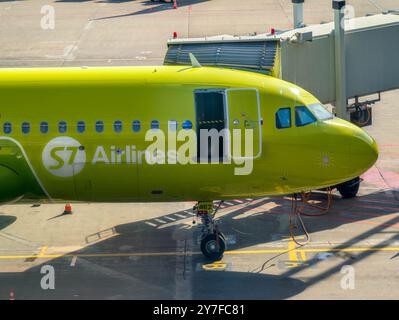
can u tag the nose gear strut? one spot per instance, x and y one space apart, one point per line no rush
213 242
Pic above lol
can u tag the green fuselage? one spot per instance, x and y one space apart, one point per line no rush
41 106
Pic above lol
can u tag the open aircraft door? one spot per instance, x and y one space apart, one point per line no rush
243 110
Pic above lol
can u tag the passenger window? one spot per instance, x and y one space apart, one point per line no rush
44 127
154 124
62 127
187 125
136 126
7 127
25 127
172 125
303 116
118 126
283 118
99 126
81 126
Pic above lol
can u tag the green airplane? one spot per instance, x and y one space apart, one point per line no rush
97 134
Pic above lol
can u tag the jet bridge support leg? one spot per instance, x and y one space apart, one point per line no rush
340 61
213 242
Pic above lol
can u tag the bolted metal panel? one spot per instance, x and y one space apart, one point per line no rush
372 59
310 65
371 54
257 55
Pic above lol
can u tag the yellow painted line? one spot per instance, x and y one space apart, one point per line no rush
292 253
303 255
313 250
290 239
351 249
159 254
42 251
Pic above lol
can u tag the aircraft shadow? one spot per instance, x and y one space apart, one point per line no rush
130 269
161 6
6 220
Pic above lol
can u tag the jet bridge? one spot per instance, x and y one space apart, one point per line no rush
307 57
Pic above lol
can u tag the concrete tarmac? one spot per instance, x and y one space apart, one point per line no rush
151 251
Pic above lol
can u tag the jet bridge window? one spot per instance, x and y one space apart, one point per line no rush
44 127
25 127
283 118
303 116
7 127
62 127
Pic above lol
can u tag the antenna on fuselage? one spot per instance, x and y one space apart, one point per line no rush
194 61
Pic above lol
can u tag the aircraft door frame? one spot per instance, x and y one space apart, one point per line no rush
222 92
259 120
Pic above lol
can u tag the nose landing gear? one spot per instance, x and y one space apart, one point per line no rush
213 242
349 188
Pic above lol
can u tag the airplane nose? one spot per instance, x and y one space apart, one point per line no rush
364 151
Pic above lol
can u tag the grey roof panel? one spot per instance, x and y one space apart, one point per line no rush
259 55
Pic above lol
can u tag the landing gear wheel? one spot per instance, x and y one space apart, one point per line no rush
209 247
349 188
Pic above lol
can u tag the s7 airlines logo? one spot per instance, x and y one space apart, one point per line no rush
64 157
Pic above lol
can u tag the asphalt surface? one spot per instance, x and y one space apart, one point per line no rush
139 251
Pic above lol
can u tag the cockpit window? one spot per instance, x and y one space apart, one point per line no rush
303 116
283 118
320 111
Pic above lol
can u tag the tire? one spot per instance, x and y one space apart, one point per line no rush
349 189
208 247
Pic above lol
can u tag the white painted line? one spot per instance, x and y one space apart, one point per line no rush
229 203
151 224
169 218
73 262
191 213
88 25
160 221
239 201
180 216
30 165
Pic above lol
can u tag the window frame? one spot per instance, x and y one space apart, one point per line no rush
313 105
117 123
59 126
134 124
44 124
79 125
277 118
25 124
98 123
309 113
152 123
7 124
183 124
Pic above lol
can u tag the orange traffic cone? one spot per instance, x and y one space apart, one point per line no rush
68 209
174 4
12 297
